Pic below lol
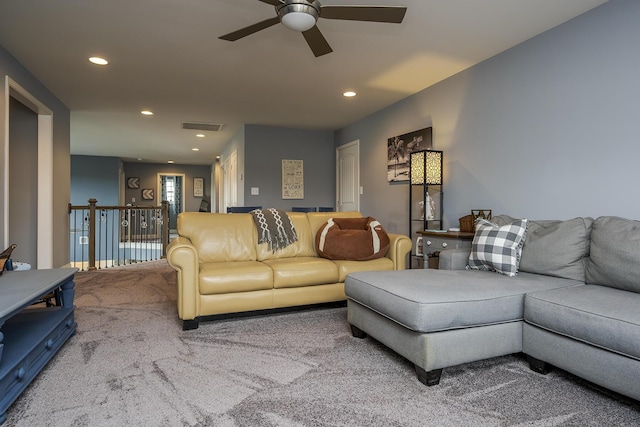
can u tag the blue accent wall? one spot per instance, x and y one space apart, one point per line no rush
94 177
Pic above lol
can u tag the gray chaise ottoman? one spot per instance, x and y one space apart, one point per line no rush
440 318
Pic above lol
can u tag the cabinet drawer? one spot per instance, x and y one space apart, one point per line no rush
437 244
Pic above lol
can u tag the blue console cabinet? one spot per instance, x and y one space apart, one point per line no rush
31 334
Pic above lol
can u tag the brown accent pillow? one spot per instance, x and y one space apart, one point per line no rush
356 239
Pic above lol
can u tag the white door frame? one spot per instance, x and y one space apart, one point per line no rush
45 170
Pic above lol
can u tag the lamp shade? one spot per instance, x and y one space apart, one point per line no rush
426 167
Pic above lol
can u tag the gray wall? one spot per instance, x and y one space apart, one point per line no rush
61 159
547 129
265 147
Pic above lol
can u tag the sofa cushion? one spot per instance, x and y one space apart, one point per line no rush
498 248
615 253
347 267
236 276
598 315
437 300
355 239
302 271
302 247
554 248
220 237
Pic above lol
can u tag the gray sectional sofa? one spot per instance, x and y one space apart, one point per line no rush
574 304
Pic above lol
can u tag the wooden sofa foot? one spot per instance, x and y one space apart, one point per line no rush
357 332
190 324
538 366
430 378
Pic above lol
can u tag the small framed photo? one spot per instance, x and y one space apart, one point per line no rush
419 249
198 187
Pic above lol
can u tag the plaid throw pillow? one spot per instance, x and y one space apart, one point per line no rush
497 248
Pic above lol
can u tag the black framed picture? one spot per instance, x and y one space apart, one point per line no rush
399 149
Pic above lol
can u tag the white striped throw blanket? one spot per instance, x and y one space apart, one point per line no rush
275 228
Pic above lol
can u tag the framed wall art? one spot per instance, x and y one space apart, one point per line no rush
147 194
198 187
399 149
292 179
133 182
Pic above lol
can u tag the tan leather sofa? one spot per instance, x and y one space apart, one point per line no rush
222 269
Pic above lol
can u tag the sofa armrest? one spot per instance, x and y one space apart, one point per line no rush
454 259
183 257
400 245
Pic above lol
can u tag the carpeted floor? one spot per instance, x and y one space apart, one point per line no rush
130 364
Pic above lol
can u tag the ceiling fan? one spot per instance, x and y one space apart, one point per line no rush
302 15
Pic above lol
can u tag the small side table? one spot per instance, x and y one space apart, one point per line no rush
435 241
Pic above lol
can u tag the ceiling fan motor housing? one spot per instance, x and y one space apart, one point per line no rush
299 15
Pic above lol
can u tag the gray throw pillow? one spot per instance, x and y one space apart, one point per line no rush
555 248
615 253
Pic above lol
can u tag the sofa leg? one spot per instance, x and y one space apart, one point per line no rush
538 365
430 378
357 332
190 324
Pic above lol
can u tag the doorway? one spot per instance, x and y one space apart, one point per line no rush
43 179
348 177
171 189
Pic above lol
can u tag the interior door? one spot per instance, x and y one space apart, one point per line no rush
348 177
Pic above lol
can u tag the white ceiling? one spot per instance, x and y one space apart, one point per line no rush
165 56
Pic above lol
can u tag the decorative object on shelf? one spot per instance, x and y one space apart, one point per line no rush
133 182
198 187
419 250
399 149
147 194
425 193
481 213
466 223
5 256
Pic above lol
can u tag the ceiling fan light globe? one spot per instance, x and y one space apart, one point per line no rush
299 15
298 21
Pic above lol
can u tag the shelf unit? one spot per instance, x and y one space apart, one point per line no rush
425 185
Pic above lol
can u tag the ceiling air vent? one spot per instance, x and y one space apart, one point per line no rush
212 127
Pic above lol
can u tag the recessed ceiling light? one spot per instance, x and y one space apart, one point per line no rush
169 161
349 94
195 149
98 60
200 135
146 113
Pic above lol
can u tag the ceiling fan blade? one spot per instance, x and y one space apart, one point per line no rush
272 2
316 41
247 31
391 14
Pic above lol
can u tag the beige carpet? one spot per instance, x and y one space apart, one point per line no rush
130 364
